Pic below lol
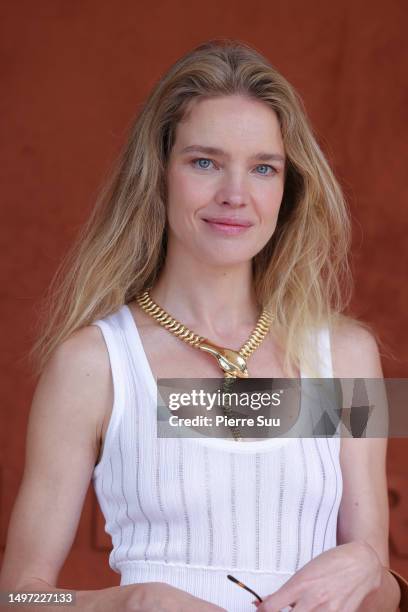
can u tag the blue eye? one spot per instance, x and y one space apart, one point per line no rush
202 162
265 168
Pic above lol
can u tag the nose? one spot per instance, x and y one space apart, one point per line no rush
233 190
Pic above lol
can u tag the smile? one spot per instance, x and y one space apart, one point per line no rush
227 228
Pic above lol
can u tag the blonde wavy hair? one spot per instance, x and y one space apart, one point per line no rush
302 274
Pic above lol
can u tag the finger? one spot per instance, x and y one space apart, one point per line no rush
303 607
287 608
308 604
275 603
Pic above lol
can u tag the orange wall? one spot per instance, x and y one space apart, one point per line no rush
75 73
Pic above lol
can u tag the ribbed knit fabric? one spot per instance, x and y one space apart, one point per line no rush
190 511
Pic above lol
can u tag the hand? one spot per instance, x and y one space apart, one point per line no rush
150 597
337 580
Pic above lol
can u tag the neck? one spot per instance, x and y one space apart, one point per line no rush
213 301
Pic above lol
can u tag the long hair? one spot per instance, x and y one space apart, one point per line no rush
301 274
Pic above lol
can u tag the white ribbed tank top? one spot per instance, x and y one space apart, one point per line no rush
188 511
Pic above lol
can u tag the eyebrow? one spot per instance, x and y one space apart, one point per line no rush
215 151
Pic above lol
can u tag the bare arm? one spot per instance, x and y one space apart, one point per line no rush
69 403
364 511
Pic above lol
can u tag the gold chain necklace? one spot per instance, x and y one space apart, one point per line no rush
233 363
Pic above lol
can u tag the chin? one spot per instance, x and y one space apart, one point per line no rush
217 259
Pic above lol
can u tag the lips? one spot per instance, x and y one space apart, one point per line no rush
234 222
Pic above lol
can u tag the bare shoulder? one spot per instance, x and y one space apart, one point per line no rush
85 347
355 354
82 358
76 382
354 349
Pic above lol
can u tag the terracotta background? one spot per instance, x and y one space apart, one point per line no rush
75 73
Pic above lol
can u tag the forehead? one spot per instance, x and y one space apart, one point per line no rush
229 120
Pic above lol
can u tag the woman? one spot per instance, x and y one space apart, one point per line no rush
222 207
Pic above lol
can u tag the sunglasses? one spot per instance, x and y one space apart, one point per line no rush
241 584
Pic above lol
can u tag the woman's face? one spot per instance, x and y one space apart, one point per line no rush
225 180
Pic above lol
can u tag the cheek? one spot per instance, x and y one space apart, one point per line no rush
182 188
183 198
271 202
